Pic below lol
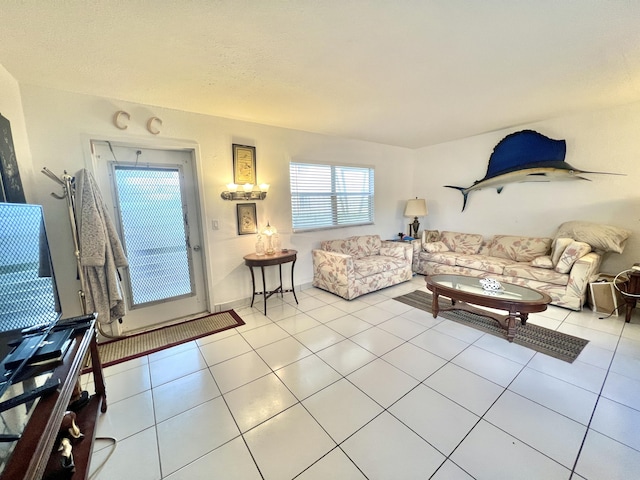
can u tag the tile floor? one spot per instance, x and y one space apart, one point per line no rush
375 389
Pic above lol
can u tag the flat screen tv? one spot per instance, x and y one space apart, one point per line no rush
28 293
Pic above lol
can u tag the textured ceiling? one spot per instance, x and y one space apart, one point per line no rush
407 72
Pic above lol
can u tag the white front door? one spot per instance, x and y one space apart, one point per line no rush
153 196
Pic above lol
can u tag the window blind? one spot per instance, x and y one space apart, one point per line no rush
329 196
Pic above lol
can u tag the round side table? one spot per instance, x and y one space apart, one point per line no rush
285 256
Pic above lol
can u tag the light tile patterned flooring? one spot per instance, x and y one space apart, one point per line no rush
375 389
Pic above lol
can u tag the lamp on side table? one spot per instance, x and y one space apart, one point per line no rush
415 208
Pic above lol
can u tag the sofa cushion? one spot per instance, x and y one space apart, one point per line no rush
559 246
542 262
367 245
435 247
526 271
603 238
571 255
466 243
446 258
390 249
375 264
519 249
482 262
345 245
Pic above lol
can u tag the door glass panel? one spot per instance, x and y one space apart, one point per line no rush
152 216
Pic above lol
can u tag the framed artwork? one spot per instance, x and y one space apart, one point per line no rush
247 219
244 164
10 182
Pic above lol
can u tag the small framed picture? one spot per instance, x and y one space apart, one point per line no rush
247 219
244 164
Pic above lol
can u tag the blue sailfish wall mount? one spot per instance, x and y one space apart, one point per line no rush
526 156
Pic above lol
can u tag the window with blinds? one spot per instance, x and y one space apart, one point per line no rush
329 196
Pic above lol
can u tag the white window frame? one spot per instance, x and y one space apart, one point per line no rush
326 196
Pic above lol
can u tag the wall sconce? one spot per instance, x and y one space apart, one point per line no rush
247 192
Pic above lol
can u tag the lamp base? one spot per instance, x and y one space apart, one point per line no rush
416 226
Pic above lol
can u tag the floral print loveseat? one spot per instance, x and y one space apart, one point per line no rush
357 265
561 267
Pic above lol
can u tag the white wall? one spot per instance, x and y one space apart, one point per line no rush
60 125
11 109
604 141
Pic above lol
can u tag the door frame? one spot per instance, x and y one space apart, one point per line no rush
132 141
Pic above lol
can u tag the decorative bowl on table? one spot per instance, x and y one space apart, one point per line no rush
490 284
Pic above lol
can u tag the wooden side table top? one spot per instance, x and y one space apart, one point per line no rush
255 260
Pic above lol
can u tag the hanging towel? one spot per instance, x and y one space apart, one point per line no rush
101 253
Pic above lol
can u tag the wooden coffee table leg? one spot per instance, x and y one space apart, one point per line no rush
435 307
523 318
511 327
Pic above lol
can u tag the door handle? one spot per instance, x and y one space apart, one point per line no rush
196 248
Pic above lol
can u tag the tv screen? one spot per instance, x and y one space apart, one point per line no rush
28 294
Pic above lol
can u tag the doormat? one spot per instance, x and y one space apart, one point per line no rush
127 348
556 344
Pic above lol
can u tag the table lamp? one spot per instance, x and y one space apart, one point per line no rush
415 208
269 232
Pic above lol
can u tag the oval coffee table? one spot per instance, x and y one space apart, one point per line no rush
465 291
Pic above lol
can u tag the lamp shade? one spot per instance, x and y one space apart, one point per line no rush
269 230
416 207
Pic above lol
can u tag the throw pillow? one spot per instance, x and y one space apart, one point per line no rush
435 247
465 243
559 246
604 238
430 236
519 249
570 255
542 262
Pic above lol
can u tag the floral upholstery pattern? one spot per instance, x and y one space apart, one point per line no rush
362 264
519 249
559 245
570 255
542 262
483 262
525 261
429 236
466 243
526 270
391 249
435 247
367 245
347 246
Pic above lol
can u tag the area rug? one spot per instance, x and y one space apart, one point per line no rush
127 348
556 344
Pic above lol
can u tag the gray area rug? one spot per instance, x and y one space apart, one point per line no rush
556 344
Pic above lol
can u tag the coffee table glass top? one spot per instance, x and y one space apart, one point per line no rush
472 285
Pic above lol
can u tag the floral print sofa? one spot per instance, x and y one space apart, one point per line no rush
562 266
357 265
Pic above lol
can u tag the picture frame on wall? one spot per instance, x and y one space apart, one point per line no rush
10 183
244 164
247 218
